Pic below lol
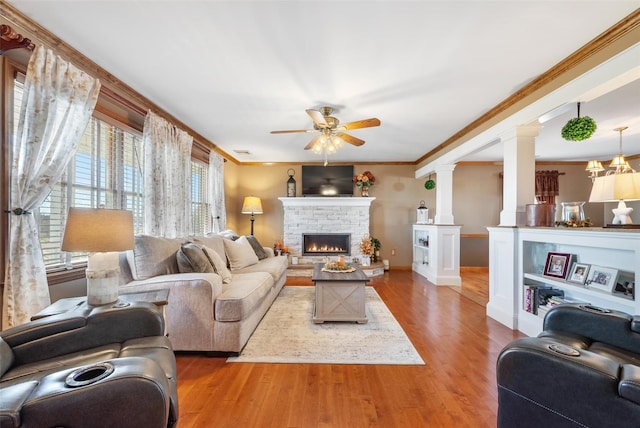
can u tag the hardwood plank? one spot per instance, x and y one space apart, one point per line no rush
455 387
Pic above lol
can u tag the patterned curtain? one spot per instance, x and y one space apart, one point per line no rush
547 186
167 178
216 186
58 101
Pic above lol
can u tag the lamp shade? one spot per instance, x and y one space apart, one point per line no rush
616 187
98 230
252 205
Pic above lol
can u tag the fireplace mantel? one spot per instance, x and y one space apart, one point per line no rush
327 201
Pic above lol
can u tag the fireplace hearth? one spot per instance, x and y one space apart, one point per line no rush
326 244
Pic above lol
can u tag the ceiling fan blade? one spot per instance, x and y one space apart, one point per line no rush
317 117
350 139
293 130
366 123
312 142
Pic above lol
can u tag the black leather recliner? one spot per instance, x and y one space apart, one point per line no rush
583 370
105 366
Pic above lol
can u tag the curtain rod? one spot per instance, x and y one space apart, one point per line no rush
9 39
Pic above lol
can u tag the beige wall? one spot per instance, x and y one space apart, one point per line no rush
477 202
397 195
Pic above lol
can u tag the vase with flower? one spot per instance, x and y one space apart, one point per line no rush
364 181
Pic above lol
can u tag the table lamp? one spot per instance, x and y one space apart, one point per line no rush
103 233
621 187
252 205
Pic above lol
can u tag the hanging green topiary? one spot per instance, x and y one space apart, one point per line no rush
579 128
429 184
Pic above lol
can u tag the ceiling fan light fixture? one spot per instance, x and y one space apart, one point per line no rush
331 137
337 141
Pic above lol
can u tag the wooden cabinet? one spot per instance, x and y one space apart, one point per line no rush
436 253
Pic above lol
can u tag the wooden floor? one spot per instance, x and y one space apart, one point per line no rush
455 388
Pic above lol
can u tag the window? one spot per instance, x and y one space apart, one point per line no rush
200 205
107 170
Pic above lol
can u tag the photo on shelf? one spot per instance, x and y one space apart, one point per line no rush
579 272
557 265
625 285
602 278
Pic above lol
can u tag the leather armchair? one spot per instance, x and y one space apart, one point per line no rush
102 366
583 370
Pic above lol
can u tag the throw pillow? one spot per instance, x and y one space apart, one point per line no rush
240 253
219 264
257 248
228 234
153 256
191 258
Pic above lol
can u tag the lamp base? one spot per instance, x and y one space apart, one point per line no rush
103 278
622 214
102 287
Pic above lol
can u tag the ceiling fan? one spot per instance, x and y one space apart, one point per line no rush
331 132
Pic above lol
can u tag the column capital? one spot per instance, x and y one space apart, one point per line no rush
445 168
531 130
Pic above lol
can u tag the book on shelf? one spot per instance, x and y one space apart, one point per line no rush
535 295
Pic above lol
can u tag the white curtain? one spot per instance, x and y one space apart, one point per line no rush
216 189
167 178
58 101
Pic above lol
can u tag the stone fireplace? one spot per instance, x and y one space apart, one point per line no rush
325 216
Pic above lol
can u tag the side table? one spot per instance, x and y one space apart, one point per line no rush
158 297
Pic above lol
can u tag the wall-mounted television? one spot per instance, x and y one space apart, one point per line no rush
330 180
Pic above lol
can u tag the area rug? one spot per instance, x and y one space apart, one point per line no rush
287 334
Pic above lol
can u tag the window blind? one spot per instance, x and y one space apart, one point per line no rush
200 211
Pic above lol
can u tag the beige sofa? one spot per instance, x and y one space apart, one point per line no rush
209 309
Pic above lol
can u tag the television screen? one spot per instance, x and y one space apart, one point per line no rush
331 180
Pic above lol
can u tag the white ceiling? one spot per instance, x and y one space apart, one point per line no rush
235 70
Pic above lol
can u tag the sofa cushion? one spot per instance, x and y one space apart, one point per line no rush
240 298
153 256
240 253
257 248
275 266
219 265
192 258
214 242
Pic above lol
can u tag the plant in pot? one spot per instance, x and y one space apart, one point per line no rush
376 248
579 128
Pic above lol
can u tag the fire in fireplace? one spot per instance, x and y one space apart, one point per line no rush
326 244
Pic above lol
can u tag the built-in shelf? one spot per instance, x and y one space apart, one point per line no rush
521 253
436 253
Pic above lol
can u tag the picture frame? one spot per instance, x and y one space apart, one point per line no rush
578 273
602 278
557 265
625 285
